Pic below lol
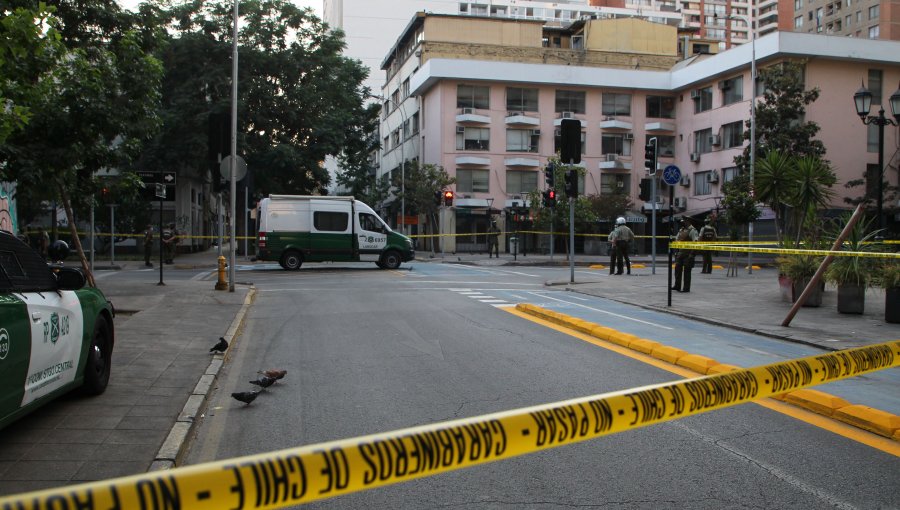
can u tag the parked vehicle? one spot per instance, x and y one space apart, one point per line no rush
294 229
55 333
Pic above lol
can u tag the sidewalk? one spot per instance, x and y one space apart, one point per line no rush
163 335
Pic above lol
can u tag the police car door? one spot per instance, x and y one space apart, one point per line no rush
372 236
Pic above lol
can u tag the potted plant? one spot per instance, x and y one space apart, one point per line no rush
800 269
852 274
888 277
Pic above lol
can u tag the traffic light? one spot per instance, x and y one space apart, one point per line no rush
645 190
550 176
570 141
572 183
448 198
105 196
650 156
550 198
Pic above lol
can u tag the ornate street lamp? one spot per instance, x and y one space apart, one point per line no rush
863 102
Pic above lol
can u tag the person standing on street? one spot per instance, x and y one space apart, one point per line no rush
684 260
493 240
708 234
148 245
612 250
170 239
623 238
43 242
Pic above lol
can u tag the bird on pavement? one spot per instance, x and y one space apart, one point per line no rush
273 373
221 346
246 396
264 382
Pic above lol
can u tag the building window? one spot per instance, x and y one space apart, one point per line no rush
615 143
665 146
874 11
616 104
613 184
519 181
701 141
521 100
701 183
661 107
557 141
874 32
798 4
405 88
858 16
875 85
729 174
522 140
470 96
703 100
798 22
732 90
732 135
473 139
395 138
848 19
872 138
472 180
415 123
570 101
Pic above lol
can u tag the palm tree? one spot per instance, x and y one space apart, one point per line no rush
813 179
773 184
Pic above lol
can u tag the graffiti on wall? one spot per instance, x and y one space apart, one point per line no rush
8 220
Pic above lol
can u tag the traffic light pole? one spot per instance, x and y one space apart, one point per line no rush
572 232
650 163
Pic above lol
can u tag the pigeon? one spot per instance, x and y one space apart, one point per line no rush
245 396
264 382
221 346
273 373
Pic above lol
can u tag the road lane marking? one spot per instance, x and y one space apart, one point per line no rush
606 312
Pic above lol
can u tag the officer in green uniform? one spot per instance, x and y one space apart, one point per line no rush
623 238
684 259
708 234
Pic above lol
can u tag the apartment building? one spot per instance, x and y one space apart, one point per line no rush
484 98
865 19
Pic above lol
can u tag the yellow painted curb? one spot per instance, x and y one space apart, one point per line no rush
668 353
871 419
596 266
623 339
643 345
603 333
816 401
697 363
583 326
716 266
638 266
721 368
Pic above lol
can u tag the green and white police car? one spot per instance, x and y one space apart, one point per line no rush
55 333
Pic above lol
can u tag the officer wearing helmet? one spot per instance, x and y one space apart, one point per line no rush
684 260
708 234
621 237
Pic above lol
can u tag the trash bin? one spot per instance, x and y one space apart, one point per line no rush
514 245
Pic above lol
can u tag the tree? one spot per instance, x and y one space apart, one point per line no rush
556 219
299 98
772 183
423 184
740 205
101 103
810 193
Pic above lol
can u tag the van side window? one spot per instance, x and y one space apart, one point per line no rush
327 221
370 223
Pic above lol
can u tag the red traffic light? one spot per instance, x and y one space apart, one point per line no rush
551 194
448 198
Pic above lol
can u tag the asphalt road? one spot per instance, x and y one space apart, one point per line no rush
371 351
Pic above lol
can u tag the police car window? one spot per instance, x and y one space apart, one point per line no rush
327 221
23 270
370 222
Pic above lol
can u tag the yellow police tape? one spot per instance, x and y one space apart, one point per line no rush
309 473
706 246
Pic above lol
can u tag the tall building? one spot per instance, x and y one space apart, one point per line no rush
864 19
484 98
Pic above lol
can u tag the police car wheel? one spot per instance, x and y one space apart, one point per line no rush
390 260
291 260
99 359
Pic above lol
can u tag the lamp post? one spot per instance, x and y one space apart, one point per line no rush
863 102
752 30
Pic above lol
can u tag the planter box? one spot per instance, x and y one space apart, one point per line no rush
814 299
892 305
851 299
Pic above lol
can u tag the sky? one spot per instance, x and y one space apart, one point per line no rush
315 4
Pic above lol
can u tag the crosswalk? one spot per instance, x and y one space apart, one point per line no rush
484 298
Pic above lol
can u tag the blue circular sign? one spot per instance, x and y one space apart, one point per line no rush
672 175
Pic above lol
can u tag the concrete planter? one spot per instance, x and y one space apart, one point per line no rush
814 299
851 298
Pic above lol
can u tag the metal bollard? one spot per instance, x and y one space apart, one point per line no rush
221 284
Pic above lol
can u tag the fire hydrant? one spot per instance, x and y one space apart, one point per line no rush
221 284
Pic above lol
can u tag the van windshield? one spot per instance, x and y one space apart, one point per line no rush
372 223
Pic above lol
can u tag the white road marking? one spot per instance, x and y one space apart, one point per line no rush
504 305
607 312
493 300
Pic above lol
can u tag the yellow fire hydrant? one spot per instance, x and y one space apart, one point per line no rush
221 284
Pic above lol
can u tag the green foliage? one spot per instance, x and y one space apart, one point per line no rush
558 221
300 98
739 204
887 274
422 183
853 270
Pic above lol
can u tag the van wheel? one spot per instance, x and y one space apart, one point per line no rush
390 260
99 359
291 260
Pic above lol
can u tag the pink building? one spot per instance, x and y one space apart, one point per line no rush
485 103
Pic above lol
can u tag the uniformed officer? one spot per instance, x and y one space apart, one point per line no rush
708 234
684 260
623 238
170 239
493 239
148 245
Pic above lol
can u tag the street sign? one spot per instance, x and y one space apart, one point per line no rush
160 190
672 175
240 168
168 178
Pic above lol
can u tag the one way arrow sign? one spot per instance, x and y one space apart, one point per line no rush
168 178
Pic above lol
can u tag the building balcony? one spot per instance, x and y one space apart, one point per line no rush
523 162
615 123
520 119
614 162
558 122
659 127
472 160
471 116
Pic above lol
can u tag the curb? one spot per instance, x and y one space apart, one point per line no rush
173 447
863 417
